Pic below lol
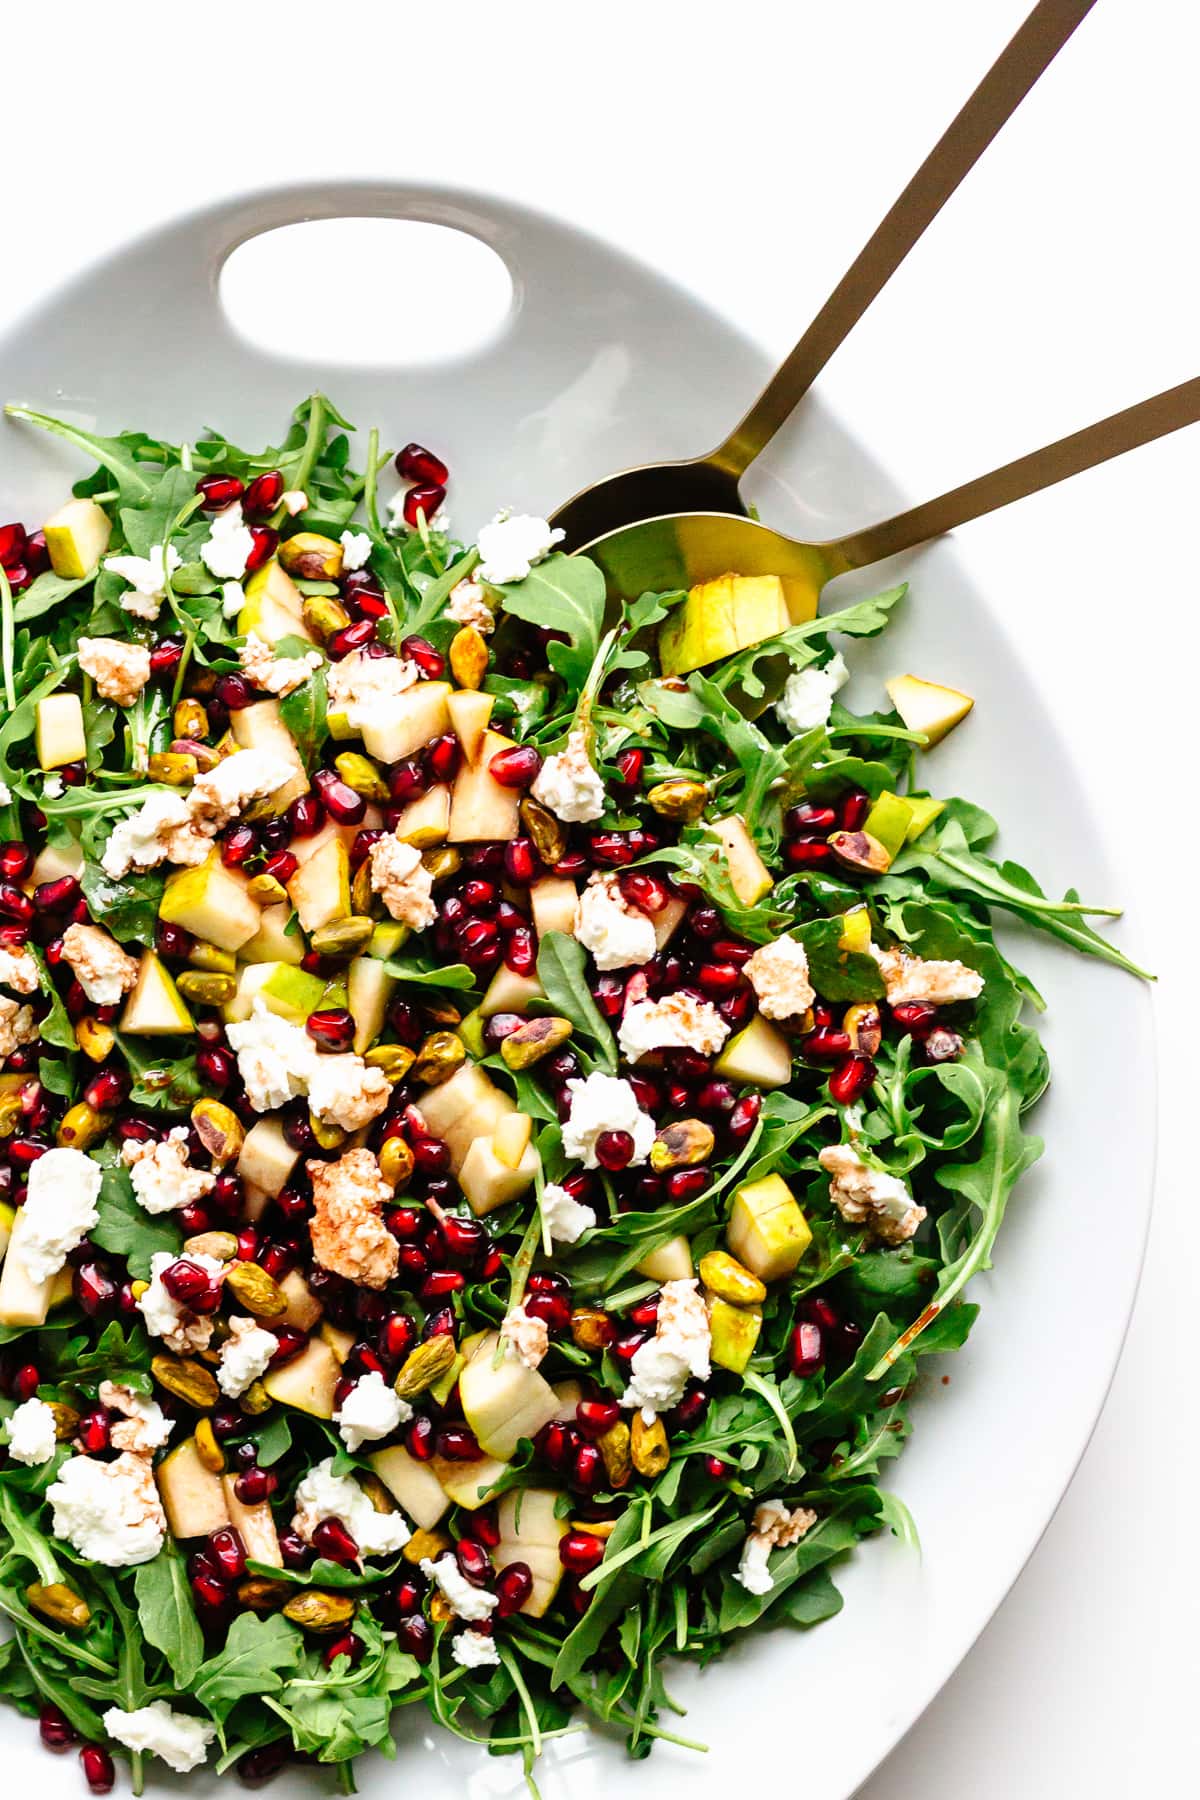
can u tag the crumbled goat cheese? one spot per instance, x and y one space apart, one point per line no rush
163 1180
468 605
616 933
275 1058
59 1210
676 1022
179 1739
343 1091
19 971
347 1229
109 1512
244 1355
103 970
399 875
356 549
569 785
775 1527
17 1026
53 787
807 699
5 794
909 978
233 598
370 1411
530 1338
778 973
224 792
511 544
180 1329
469 1603
866 1196
294 501
162 830
31 1433
147 578
364 688
679 1348
565 1218
602 1103
474 1650
279 675
143 1427
228 546
324 1495
120 671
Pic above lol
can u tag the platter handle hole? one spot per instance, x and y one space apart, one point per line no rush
383 293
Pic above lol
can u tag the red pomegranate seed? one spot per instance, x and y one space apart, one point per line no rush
630 764
343 805
515 768
744 1117
687 1184
332 1540
808 820
573 864
520 954
555 1443
458 1444
425 498
444 756
194 1218
609 995
262 549
107 1090
228 1552
216 1066
718 979
463 1238
397 1335
305 816
915 1018
512 1586
93 1287
645 1313
478 894
580 1551
807 1350
420 1438
415 463
431 662
626 1347
474 1562
554 1310
350 638
614 1150
349 1646
263 495
612 849
646 892
26 1381
587 1472
259 1766
16 860
289 1343
15 905
720 1471
37 557
255 1485
851 1079
824 1044
520 859
853 810
238 845
807 853
691 1409
332 1027
441 1282
415 1635
218 491
57 1731
98 1770
12 545
185 1281
93 1432
595 1417
166 655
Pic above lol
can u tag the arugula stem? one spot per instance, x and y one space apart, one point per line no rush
6 640
527 1707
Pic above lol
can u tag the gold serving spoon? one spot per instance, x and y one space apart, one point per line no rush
660 555
709 484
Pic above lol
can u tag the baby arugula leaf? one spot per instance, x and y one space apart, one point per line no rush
166 1614
562 973
563 593
135 476
255 1657
802 644
127 1230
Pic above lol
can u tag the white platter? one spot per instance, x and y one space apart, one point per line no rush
603 363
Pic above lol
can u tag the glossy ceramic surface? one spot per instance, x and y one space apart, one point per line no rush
603 364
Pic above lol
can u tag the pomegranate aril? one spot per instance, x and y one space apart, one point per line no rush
16 905
580 1551
218 491
238 845
443 757
646 892
420 1438
716 1097
431 662
687 1184
807 853
744 1117
630 764
520 953
263 495
216 1066
166 656
185 1281
332 1027
425 498
12 545
595 1417
343 805
473 1561
349 1646
93 1287
464 1238
825 1044
228 1552
458 1444
255 1485
265 542
718 979
806 1349
612 849
16 860
512 1587
807 820
289 1342
851 1079
416 463
915 1017
259 1766
331 1539
626 1347
415 1635
517 767
296 1554
609 995
107 1090
305 815
98 1770
37 556
587 1471
93 1432
173 940
853 809
440 1283
350 638
691 1409
718 1470
55 1729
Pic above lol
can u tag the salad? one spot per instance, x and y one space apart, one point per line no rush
501 1091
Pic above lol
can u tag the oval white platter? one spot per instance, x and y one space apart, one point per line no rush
600 364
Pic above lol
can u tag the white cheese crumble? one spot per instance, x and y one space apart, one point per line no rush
119 670
468 605
147 577
19 971
775 1527
807 699
162 1177
678 1350
405 884
179 1739
161 830
365 688
102 968
778 973
565 1218
233 598
324 1495
229 545
143 1426
370 1411
245 1355
109 1512
347 1230
280 675
222 793
180 1329
602 1103
31 1433
59 1210
5 794
469 1602
475 1650
569 785
53 787
678 1021
356 549
343 1091
294 501
616 933
275 1058
908 978
871 1197
529 1337
511 544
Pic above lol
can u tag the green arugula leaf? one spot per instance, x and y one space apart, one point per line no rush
129 907
562 973
257 1654
166 1614
305 713
803 644
423 974
125 1229
563 593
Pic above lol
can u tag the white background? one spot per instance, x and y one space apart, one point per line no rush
747 150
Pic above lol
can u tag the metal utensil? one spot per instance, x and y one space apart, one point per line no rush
663 554
710 483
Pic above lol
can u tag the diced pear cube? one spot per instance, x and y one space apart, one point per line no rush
747 871
59 734
767 1231
211 903
414 1484
927 707
735 1332
672 1261
192 1496
510 1140
487 1182
76 538
320 888
758 1055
